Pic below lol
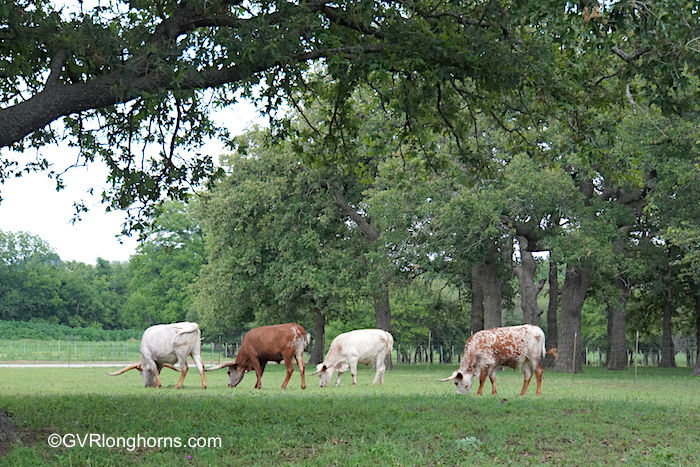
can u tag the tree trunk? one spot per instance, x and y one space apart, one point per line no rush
491 292
617 328
529 290
382 317
573 294
7 431
668 352
477 318
551 341
382 308
696 369
319 338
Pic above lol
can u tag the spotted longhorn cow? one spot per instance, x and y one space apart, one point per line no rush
488 350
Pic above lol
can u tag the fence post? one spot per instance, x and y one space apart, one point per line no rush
573 364
430 335
636 351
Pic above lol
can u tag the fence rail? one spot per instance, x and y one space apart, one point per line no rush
90 351
214 353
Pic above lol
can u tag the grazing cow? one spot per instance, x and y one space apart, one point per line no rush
488 350
165 344
268 344
347 350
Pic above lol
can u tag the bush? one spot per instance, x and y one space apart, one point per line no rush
44 331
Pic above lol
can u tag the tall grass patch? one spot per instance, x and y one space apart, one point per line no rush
597 418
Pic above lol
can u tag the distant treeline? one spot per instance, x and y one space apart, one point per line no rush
16 330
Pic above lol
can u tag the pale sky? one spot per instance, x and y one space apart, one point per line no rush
31 203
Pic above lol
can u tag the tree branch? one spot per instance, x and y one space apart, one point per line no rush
627 57
368 229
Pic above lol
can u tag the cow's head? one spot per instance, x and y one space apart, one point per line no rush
147 370
235 372
235 375
463 382
324 374
148 375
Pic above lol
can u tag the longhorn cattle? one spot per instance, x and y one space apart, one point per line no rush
365 346
166 344
268 344
488 350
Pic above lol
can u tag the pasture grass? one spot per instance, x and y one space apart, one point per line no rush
598 418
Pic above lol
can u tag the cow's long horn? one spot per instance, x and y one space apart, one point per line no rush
320 368
219 366
168 365
126 368
454 375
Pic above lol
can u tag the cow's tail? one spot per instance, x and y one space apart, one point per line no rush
544 347
543 351
390 343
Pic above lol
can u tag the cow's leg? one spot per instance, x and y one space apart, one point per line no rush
290 370
259 368
379 375
183 373
200 369
482 380
197 358
337 381
156 373
492 377
353 372
538 375
527 373
300 364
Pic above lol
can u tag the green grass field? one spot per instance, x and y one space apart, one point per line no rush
599 418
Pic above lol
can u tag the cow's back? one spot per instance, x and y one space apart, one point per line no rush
362 344
506 346
269 342
159 341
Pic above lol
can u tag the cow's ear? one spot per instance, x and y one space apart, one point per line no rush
459 376
324 368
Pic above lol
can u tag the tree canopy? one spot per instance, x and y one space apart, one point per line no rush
127 79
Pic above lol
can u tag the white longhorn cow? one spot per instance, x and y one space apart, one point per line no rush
365 346
166 344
